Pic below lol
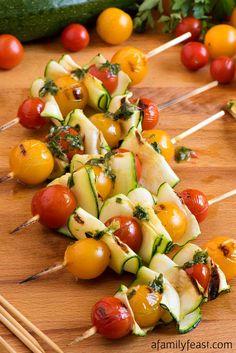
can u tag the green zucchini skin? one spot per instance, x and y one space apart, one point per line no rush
34 19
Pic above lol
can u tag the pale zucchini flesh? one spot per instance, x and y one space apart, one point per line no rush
190 321
54 70
99 98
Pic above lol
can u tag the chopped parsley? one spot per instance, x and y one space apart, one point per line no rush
156 146
105 162
48 87
98 234
183 154
140 213
79 73
200 257
157 284
125 111
113 68
118 200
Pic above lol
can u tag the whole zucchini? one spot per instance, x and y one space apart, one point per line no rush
33 19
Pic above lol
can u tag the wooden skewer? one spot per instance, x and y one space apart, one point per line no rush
6 345
168 45
197 127
7 177
222 197
19 334
90 332
46 271
25 224
20 328
9 124
29 324
191 94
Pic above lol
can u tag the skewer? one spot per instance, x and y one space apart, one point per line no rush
7 177
90 332
9 124
27 223
48 270
6 345
29 324
19 334
20 328
222 197
191 94
197 127
168 45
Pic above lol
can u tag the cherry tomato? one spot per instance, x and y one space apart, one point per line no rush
150 112
222 69
201 273
31 162
114 26
194 55
11 51
145 304
64 142
103 182
129 232
162 141
75 37
172 218
54 204
221 40
29 113
112 318
137 162
189 24
133 62
87 258
110 129
106 75
72 94
222 250
196 202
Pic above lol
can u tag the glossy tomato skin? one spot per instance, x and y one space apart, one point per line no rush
194 56
137 162
150 113
189 24
105 75
196 202
201 273
11 51
223 69
29 113
75 37
221 40
54 204
114 26
111 318
129 232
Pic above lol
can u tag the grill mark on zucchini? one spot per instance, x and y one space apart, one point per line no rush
122 245
78 219
214 284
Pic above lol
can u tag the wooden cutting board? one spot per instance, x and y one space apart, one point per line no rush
57 304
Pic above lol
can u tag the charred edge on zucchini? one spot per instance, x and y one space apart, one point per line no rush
214 283
139 138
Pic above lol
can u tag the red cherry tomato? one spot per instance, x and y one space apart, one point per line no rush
137 162
189 24
54 204
223 69
196 202
29 113
111 318
194 55
129 232
65 141
105 74
11 51
75 37
201 273
150 112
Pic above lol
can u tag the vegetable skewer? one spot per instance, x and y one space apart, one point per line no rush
6 345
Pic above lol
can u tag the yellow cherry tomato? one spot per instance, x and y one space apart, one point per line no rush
172 218
87 258
163 140
31 162
114 26
133 62
110 129
221 40
103 182
145 304
222 250
72 94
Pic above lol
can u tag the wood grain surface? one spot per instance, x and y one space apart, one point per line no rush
58 304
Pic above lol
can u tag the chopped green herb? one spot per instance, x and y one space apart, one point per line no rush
118 200
156 146
49 87
200 257
183 154
79 73
157 284
125 111
105 162
95 235
113 68
140 213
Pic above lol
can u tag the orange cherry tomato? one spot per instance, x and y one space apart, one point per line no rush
11 51
162 140
220 40
103 182
222 250
110 129
133 62
201 273
114 26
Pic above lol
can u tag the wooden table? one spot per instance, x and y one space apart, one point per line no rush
57 304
